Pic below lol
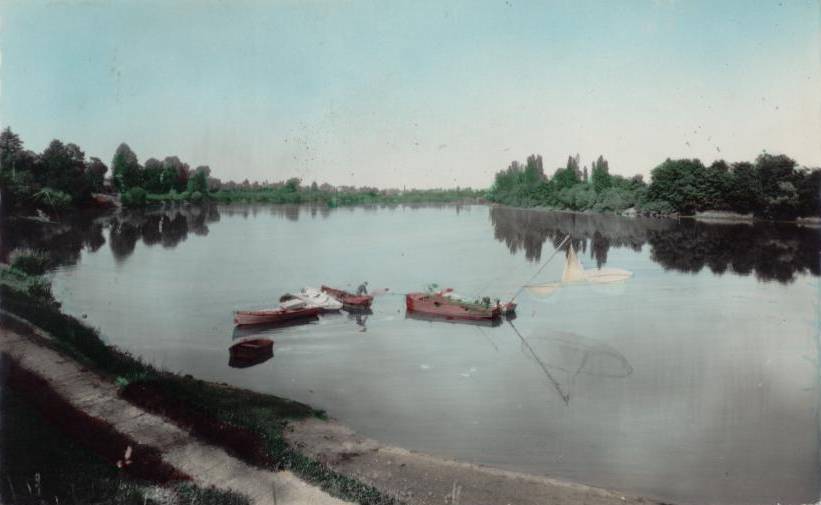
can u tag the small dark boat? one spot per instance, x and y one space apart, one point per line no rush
440 305
250 352
349 300
235 362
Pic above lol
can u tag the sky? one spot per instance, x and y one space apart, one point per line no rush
414 93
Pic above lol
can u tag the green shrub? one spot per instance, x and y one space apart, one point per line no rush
31 262
196 197
134 197
657 207
52 198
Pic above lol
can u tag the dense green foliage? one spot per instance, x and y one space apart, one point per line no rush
58 178
772 187
31 262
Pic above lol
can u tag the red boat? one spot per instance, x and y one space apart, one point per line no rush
349 300
437 304
507 309
279 314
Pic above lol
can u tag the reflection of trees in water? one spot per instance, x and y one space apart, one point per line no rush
769 250
527 230
63 240
166 227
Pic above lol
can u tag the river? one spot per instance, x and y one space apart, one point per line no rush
695 381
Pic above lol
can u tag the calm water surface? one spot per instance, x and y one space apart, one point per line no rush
696 381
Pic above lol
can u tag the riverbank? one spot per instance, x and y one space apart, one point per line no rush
708 216
90 409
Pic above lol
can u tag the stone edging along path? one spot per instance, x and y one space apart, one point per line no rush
414 478
205 464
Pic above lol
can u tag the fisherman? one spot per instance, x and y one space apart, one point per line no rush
362 289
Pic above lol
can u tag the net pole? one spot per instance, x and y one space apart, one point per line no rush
561 244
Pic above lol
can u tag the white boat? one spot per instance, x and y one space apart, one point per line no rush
314 297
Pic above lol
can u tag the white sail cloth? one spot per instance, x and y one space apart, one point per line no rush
574 273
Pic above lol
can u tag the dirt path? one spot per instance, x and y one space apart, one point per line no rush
421 479
206 464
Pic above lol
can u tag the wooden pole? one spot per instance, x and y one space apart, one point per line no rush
561 244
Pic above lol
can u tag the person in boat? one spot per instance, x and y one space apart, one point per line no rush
362 289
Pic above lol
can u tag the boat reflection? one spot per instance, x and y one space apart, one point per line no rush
360 316
269 328
442 319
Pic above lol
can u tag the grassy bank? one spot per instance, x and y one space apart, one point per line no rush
247 424
43 465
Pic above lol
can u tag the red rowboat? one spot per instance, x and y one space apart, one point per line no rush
349 300
246 317
436 304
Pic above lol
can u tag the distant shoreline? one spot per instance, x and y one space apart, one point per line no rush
707 216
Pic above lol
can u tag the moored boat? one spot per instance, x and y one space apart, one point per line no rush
293 309
250 352
349 300
315 297
507 308
440 305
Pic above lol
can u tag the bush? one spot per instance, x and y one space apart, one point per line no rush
196 197
614 199
31 262
54 199
657 207
134 197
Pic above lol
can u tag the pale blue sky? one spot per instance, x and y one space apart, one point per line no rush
417 93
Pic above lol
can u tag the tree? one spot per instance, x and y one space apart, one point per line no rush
778 178
175 172
292 184
534 170
600 176
809 192
565 178
125 169
198 183
573 164
63 169
153 180
95 171
10 146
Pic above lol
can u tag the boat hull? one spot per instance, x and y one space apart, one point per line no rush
254 317
349 300
250 352
434 304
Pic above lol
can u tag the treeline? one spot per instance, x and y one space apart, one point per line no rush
293 191
61 177
773 187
